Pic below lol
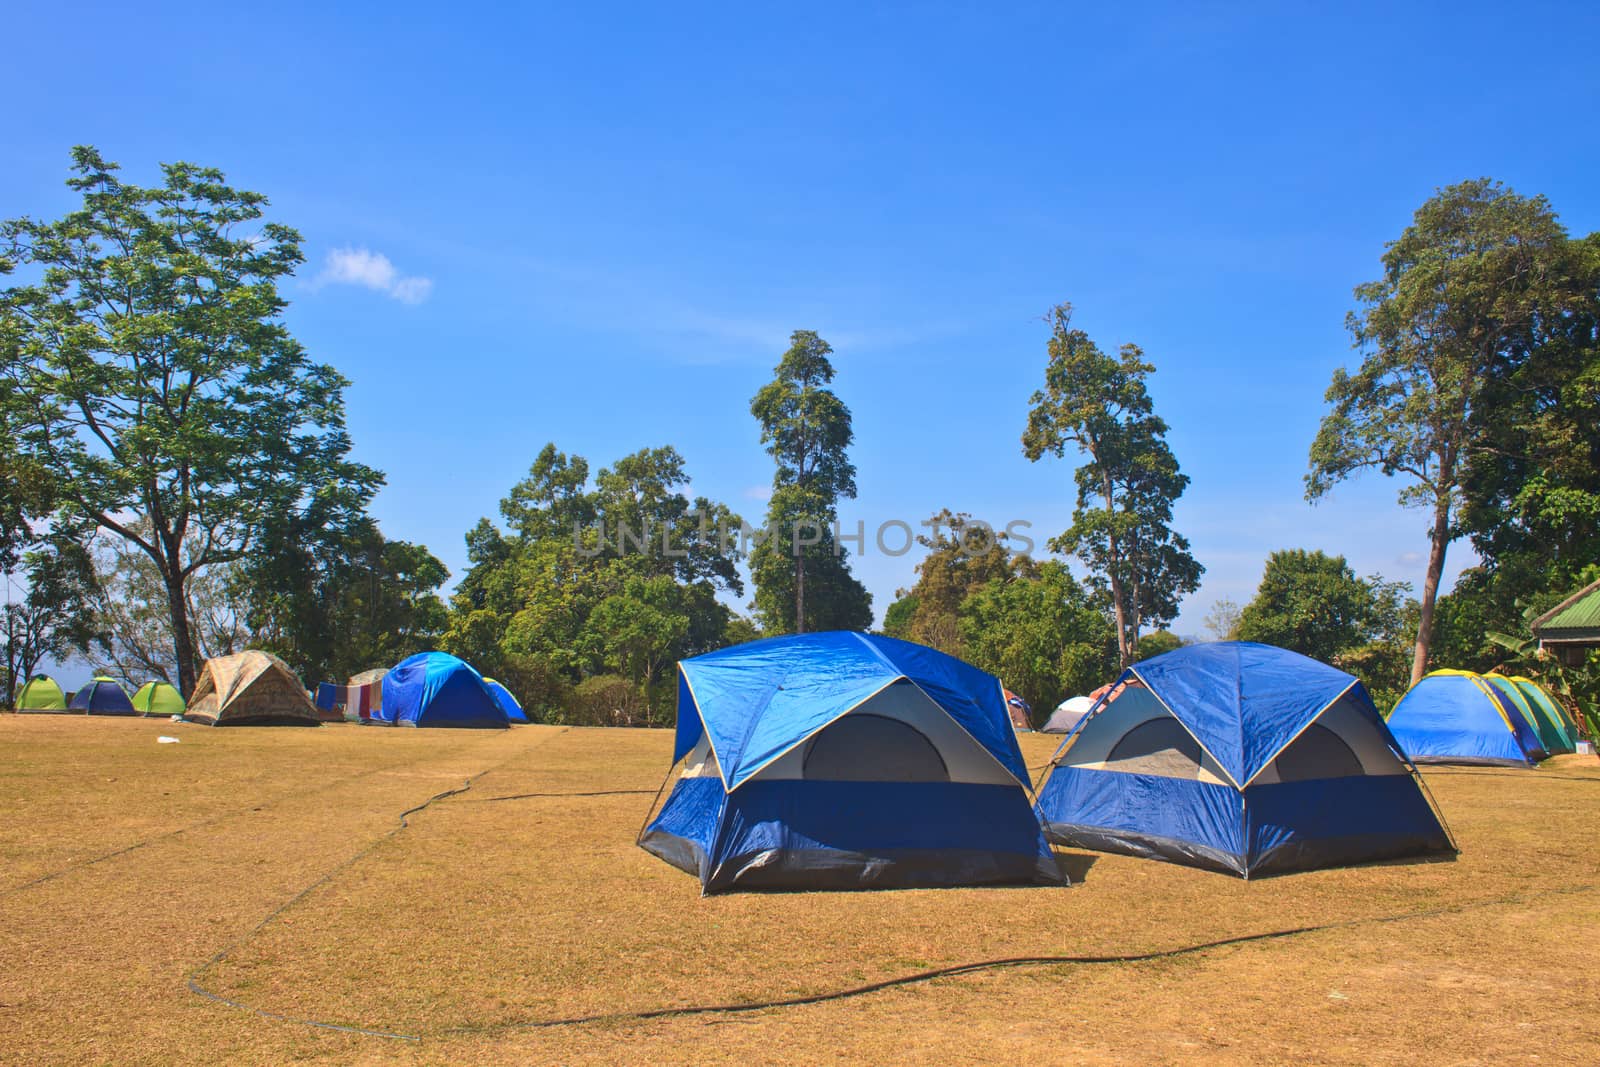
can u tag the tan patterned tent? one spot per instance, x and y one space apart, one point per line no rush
249 689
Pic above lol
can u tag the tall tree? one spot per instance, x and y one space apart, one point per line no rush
1474 287
802 575
1122 524
147 370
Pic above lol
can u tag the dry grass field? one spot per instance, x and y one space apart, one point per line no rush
268 868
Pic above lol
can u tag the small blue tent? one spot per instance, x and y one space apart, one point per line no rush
1242 758
507 702
437 689
102 696
1458 717
845 760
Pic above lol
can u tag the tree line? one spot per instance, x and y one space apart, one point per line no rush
177 482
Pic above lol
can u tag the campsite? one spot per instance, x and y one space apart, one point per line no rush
485 917
888 533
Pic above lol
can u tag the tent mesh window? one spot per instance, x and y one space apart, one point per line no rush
1157 746
1317 753
873 748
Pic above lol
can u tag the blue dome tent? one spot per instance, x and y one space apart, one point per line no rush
437 689
844 760
1241 758
102 696
507 702
1458 717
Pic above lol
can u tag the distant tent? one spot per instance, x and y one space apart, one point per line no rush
364 695
1020 710
1552 735
1458 717
158 698
507 702
1067 714
102 696
840 760
41 694
1536 692
437 689
1242 758
249 689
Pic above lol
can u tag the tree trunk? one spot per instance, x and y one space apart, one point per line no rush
1440 540
1113 577
182 635
800 592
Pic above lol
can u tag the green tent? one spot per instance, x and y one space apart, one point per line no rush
158 698
1551 735
41 694
1539 698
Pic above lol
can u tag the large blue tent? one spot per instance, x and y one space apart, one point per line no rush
102 696
437 689
1238 757
845 760
1458 717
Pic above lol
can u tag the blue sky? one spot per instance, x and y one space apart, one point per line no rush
597 225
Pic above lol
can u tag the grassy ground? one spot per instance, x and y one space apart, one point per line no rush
125 866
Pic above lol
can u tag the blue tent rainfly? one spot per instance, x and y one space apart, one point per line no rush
846 760
1242 758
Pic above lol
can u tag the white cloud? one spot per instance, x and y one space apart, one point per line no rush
411 290
758 492
373 270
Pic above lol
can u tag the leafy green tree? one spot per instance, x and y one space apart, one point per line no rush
53 619
148 372
1158 643
334 598
600 583
1478 286
897 618
962 556
1122 524
1311 603
802 575
1043 636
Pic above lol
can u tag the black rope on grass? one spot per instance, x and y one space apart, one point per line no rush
600 793
1009 962
1530 774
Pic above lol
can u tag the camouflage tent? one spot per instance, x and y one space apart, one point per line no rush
249 689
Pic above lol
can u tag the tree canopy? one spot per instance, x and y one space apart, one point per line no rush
801 573
1476 292
148 372
1122 524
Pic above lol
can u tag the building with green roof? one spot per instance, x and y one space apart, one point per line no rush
1572 627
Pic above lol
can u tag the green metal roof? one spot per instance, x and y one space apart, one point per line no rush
1578 616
